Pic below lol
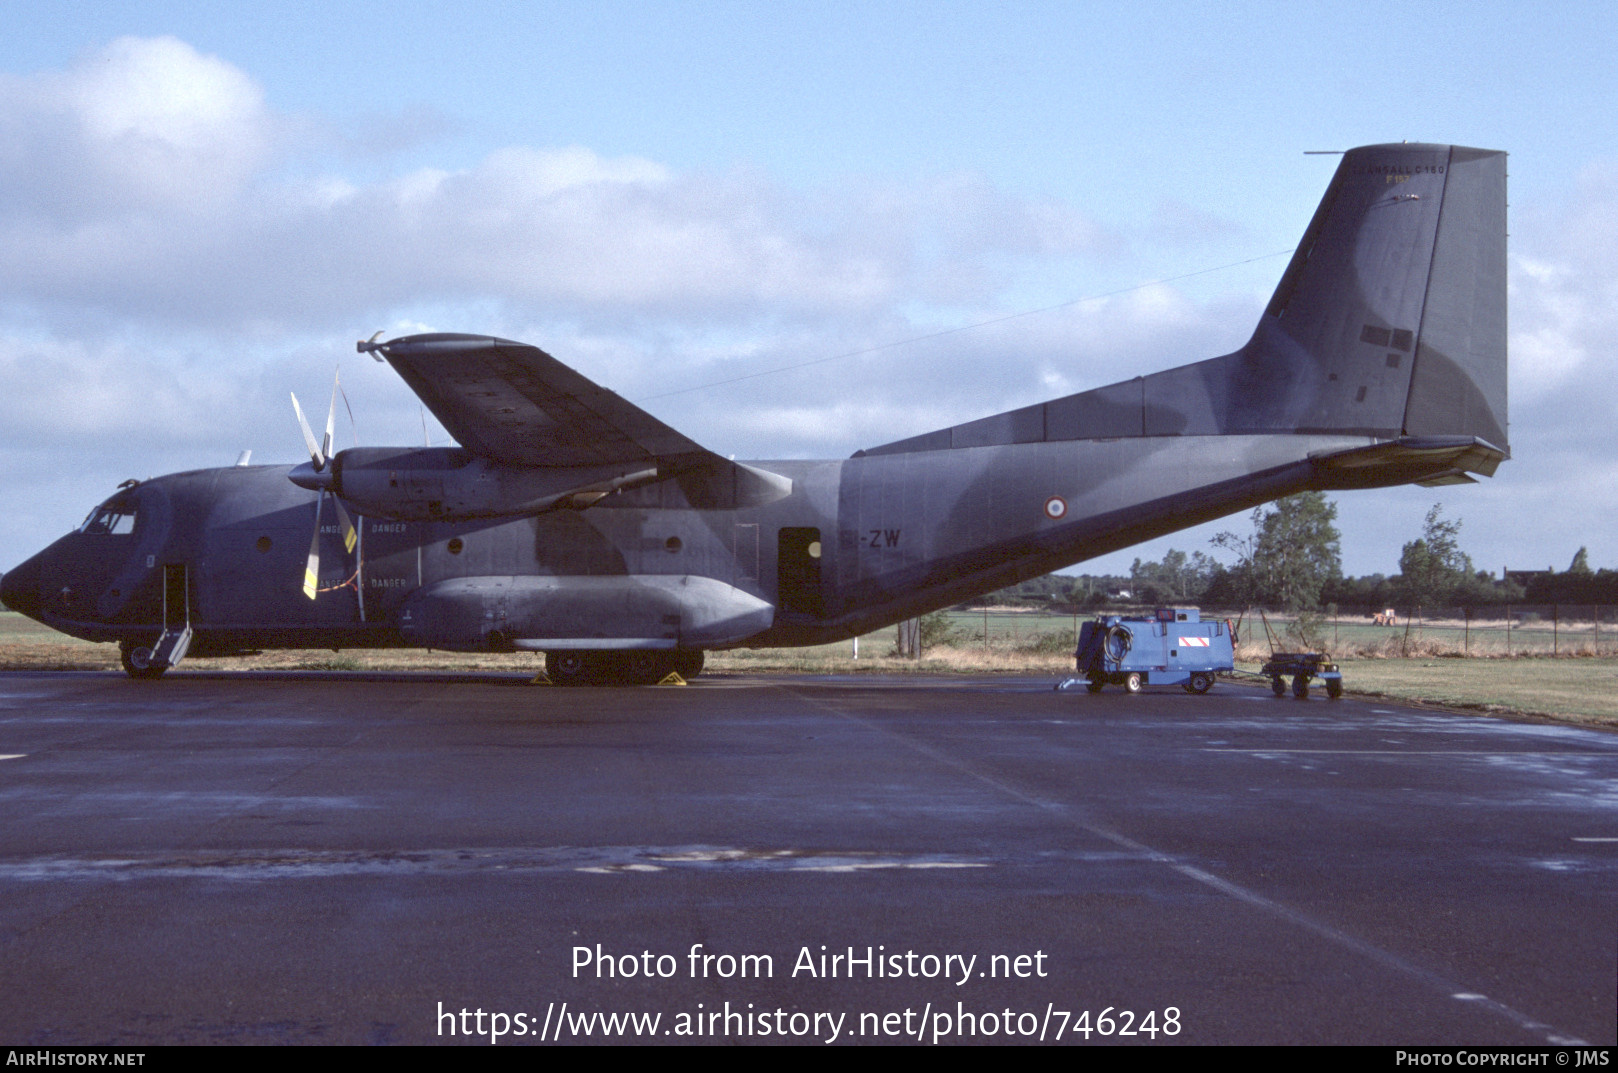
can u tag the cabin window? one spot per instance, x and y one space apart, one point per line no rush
116 519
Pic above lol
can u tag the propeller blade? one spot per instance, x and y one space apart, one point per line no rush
315 454
331 420
350 537
311 570
353 427
321 455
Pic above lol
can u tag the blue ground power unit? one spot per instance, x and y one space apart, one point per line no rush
1173 647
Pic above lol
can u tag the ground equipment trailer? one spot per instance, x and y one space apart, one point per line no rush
1301 667
1173 647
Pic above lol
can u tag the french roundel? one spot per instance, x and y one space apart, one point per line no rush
1055 507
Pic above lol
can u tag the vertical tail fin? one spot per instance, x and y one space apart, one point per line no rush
1389 322
1391 318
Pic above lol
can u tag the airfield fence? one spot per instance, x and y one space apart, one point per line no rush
1529 630
1505 630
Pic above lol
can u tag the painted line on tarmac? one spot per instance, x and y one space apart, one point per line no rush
1417 752
1073 817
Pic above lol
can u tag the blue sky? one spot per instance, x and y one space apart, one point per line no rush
202 206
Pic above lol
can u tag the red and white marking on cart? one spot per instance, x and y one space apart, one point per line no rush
1193 642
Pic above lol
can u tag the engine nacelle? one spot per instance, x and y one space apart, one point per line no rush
452 483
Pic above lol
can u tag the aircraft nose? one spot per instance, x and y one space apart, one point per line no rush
19 588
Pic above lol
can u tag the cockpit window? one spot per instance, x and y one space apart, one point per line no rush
113 517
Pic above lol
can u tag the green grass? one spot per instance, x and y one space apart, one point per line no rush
1584 690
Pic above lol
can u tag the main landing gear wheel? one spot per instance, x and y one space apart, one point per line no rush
688 662
1132 683
1200 682
638 668
137 661
631 668
567 668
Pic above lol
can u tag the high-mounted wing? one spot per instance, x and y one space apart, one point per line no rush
554 432
513 403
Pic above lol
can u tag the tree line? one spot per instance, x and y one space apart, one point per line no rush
1290 559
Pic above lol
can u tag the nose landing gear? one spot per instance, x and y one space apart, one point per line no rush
137 661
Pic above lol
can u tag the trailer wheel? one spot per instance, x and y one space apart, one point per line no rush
1131 683
1300 686
1095 684
1200 682
1277 686
1334 688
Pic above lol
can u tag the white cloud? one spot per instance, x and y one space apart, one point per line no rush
141 126
145 182
62 392
1565 292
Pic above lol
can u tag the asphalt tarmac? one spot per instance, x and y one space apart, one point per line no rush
348 858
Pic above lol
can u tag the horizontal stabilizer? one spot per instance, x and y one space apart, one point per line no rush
1424 460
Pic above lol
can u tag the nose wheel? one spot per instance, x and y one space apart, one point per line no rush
137 661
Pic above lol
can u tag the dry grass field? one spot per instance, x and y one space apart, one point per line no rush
1582 689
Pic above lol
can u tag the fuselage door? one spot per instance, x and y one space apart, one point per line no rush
798 571
176 596
176 637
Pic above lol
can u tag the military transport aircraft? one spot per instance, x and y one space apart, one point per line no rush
573 523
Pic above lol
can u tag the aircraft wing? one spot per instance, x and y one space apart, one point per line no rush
513 403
